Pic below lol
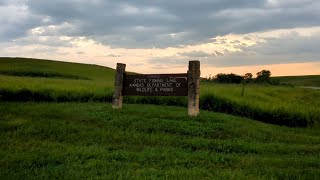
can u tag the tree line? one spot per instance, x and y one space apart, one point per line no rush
261 77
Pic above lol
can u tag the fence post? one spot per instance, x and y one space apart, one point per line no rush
193 88
118 84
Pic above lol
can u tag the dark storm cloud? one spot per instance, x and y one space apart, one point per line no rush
145 23
15 21
290 44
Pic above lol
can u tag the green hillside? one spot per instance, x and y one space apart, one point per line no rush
51 126
311 80
90 140
42 75
24 79
27 65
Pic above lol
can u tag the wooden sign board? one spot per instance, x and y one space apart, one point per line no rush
155 85
187 84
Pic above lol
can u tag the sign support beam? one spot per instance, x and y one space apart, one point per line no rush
193 88
117 96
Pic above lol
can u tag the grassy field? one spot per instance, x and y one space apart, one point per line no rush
55 78
90 140
291 106
311 80
51 81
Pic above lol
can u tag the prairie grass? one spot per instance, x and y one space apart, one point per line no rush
308 80
41 74
272 104
282 105
90 140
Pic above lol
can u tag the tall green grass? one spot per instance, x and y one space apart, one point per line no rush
272 104
310 80
282 105
46 80
90 140
40 74
26 65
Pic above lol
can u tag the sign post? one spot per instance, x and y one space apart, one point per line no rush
186 84
193 88
118 84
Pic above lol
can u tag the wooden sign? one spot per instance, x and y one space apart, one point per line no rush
155 85
187 84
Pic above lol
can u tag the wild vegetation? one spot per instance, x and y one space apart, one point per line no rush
311 80
283 105
262 77
43 139
272 104
92 82
90 140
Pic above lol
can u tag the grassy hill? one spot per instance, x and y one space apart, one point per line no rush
90 140
24 79
45 75
43 139
311 80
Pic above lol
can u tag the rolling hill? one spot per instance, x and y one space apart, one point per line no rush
23 79
53 126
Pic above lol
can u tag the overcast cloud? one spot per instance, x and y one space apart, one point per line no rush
146 24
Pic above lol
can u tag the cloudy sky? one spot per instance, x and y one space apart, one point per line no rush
159 36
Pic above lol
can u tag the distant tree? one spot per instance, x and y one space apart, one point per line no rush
248 77
207 79
263 76
210 78
228 78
